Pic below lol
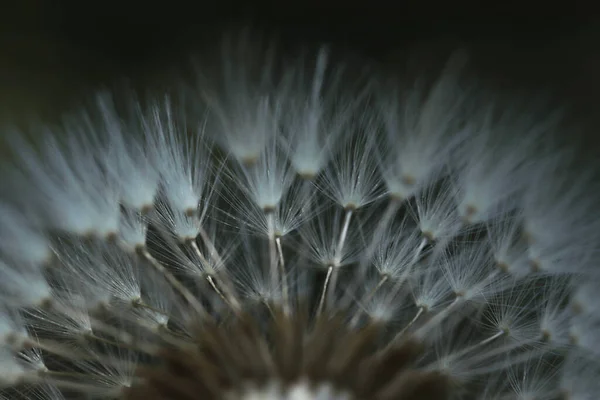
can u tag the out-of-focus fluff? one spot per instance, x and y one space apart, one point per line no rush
283 231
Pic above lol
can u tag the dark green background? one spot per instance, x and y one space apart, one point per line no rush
53 51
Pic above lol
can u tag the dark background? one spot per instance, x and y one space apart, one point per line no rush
53 51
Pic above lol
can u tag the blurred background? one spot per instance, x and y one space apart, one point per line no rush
54 52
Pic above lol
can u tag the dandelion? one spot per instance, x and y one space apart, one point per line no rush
286 238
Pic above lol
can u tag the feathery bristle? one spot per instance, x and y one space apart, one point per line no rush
278 234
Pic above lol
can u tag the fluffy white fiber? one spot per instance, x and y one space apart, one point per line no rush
417 208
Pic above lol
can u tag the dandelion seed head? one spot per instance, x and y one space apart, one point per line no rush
268 232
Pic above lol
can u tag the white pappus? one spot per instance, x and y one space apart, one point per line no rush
275 234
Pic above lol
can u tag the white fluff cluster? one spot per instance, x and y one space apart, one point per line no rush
437 210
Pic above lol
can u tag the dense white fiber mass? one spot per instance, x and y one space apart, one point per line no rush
265 225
